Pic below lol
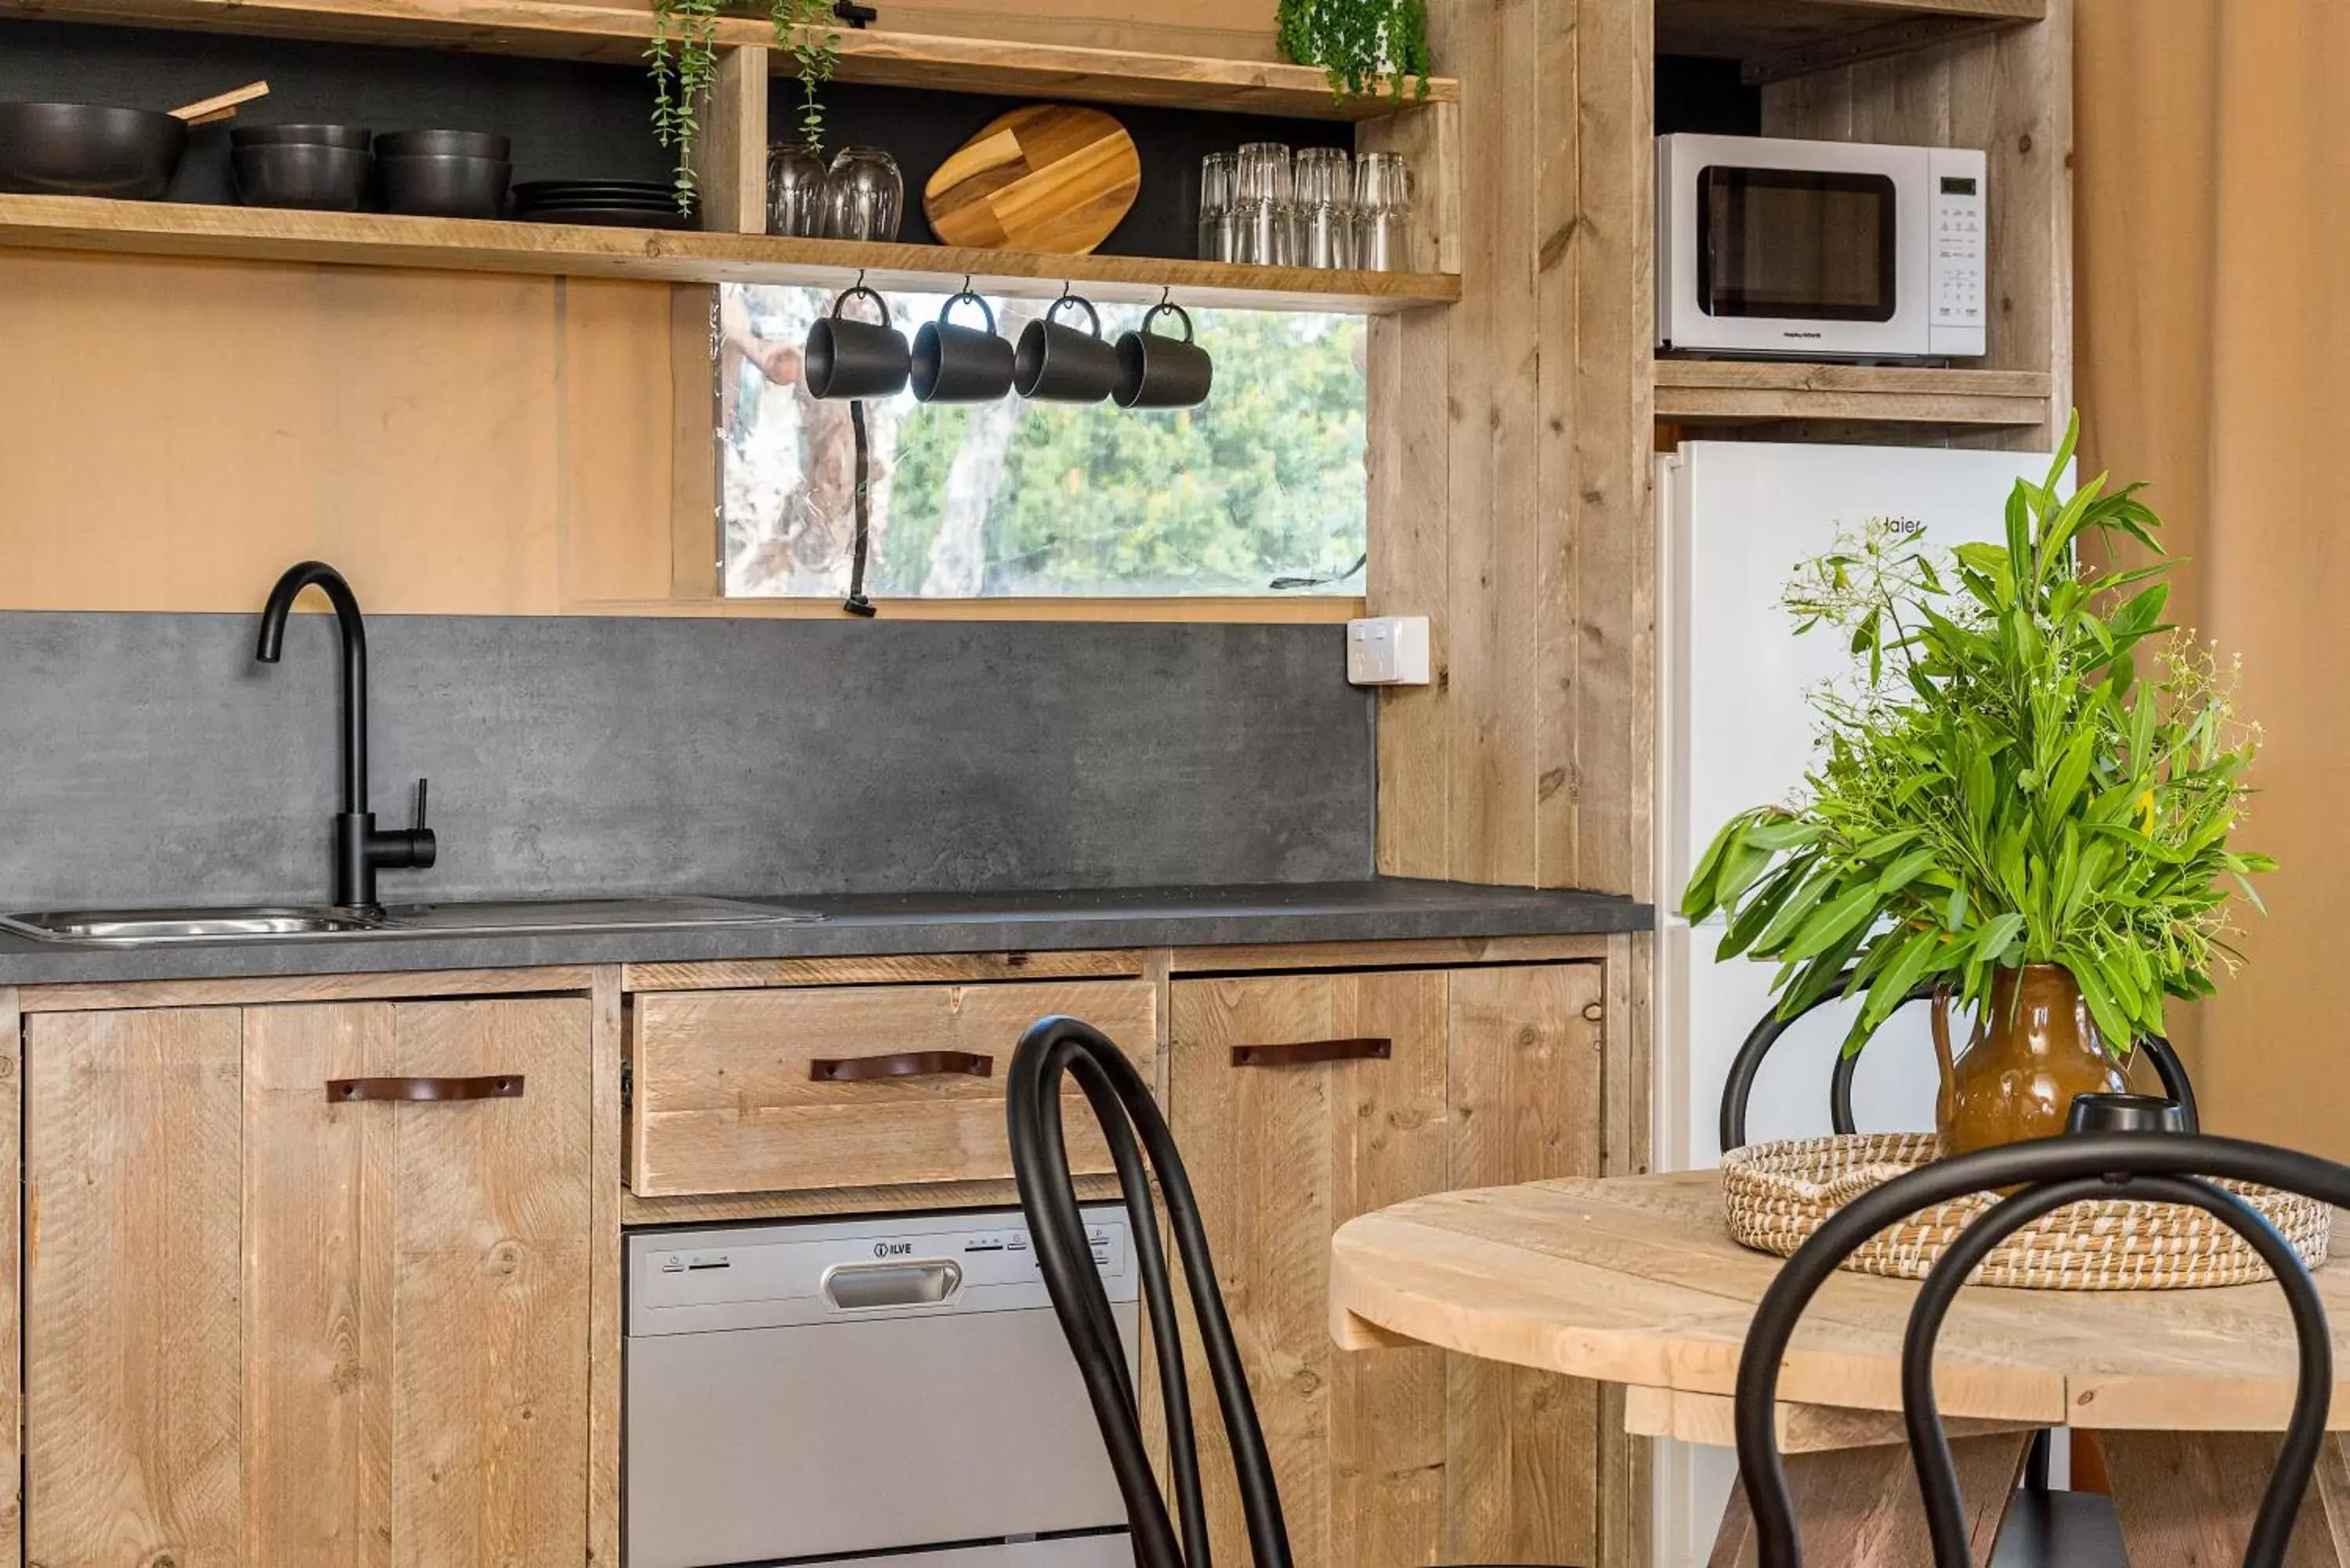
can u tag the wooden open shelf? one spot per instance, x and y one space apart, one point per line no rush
1743 391
446 244
565 29
1778 40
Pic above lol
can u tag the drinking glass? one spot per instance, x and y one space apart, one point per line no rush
1218 177
1326 208
863 196
1382 212
796 181
1262 216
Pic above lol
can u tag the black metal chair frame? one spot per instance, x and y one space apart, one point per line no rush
2051 1172
1123 1105
1140 1148
1739 1088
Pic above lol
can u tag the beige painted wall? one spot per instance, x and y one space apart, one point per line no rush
174 433
2214 318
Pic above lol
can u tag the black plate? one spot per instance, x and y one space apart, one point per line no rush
530 189
528 207
528 203
610 217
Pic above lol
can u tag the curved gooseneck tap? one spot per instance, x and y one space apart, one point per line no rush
359 849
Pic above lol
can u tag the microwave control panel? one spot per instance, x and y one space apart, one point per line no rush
1959 189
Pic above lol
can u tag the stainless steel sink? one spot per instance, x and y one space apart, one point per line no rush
131 927
145 928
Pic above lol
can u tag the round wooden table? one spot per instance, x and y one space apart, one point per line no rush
1635 1281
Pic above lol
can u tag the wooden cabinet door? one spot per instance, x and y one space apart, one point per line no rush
267 1328
1492 1075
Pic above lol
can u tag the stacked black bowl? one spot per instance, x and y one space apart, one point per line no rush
623 204
445 174
322 168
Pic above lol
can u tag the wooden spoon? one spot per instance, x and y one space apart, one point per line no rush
221 106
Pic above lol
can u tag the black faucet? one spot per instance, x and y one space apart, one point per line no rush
359 849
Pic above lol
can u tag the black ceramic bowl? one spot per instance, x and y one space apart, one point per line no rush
445 185
89 149
351 136
295 174
453 143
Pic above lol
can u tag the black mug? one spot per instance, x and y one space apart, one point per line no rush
2125 1113
850 359
1156 371
961 364
1057 364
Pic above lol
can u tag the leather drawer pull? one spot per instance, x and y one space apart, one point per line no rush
1306 1051
903 1065
496 1086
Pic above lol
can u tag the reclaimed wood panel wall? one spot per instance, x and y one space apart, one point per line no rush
1510 451
175 432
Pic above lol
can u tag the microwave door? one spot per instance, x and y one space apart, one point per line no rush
1797 245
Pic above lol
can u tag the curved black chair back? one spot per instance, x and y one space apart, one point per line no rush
1738 1089
1141 1148
2049 1173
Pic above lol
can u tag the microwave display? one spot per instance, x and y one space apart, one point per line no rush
1801 244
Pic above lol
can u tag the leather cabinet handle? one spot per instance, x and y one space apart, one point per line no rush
496 1086
1306 1051
901 1065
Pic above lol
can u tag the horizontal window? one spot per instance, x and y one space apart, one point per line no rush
1259 490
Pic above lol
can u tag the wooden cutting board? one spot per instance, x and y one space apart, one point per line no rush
1051 178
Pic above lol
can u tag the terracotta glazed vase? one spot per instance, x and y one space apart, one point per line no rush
2031 1051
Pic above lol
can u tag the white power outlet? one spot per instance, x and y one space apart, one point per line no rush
1388 651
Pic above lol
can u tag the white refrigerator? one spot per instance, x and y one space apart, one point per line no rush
1734 731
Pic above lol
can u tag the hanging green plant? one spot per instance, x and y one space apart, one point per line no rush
1364 45
804 28
683 56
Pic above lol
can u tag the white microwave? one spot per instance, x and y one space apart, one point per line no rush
1820 249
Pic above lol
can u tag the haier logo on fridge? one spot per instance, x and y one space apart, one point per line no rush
1909 526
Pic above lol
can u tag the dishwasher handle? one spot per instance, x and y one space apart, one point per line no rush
922 1282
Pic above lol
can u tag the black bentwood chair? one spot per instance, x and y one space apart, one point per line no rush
1738 1089
2170 1167
1140 1148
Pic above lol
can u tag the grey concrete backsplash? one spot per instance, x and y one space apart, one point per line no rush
146 759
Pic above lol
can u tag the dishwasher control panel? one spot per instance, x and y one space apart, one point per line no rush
784 1273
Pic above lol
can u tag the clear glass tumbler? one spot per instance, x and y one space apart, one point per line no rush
1326 208
1218 177
1263 221
1382 213
863 196
796 181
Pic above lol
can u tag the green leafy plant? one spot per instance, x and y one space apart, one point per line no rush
683 58
1362 44
804 28
2026 766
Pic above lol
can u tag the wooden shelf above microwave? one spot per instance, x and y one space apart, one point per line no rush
452 245
1750 392
617 33
1777 40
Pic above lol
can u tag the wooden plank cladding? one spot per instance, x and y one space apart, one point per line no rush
1778 39
1726 391
559 250
568 29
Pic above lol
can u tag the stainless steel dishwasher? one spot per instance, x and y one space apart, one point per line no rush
884 1390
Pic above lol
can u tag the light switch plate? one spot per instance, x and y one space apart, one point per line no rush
1388 651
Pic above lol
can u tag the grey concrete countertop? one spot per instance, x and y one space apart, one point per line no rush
1382 910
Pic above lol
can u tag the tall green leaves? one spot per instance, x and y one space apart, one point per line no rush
2027 766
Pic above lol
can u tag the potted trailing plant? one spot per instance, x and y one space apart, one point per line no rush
2022 799
683 58
1360 43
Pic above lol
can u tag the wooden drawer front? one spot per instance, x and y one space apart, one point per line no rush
725 1100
